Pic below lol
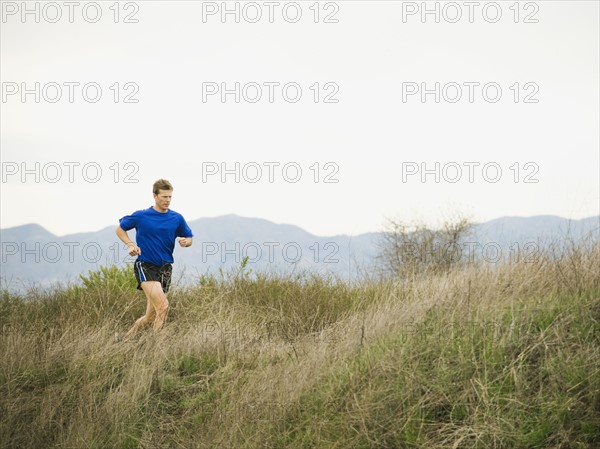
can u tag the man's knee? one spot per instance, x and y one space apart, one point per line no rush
163 306
146 319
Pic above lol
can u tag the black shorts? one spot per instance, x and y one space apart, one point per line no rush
146 271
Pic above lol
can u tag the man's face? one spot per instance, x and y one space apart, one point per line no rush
163 199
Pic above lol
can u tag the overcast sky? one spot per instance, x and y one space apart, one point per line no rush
498 101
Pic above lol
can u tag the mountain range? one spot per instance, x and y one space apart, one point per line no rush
31 255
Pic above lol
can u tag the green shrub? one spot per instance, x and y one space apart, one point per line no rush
110 278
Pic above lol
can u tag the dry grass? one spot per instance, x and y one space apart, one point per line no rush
503 356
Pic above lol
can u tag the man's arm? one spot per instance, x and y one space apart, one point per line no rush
184 230
185 241
132 247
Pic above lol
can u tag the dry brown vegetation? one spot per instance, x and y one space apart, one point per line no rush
482 356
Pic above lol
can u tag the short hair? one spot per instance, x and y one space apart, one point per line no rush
161 184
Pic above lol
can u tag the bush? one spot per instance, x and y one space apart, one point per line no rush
407 250
110 278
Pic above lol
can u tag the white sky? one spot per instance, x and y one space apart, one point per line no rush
367 135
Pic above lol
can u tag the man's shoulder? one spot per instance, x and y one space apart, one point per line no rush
175 213
143 211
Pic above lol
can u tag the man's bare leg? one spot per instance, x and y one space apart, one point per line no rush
143 321
157 308
159 301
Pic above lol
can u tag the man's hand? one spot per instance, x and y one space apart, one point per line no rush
184 242
133 249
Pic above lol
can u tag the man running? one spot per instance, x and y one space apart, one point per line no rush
156 228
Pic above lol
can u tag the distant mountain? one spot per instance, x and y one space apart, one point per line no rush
32 255
26 232
541 229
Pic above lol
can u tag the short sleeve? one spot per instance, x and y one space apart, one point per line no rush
184 230
128 222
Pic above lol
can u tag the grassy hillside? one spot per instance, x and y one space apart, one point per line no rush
487 356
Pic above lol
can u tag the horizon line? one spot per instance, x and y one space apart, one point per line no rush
295 225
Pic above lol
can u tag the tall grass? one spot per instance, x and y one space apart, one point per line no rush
504 356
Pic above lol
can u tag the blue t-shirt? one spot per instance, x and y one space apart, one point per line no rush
155 233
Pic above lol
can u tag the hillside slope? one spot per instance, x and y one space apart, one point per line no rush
486 357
